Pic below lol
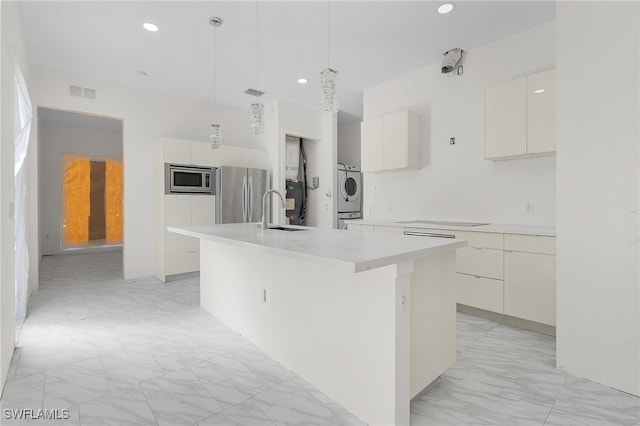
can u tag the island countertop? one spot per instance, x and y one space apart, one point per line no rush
352 251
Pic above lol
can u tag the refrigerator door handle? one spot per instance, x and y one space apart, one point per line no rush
250 200
244 199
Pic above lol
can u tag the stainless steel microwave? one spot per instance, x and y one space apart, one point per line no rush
189 179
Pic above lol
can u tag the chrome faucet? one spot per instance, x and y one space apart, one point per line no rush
263 222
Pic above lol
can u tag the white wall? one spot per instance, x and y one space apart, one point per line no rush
349 143
455 182
146 117
54 140
598 279
319 131
12 52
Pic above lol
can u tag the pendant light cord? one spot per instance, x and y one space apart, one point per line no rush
329 33
257 54
215 75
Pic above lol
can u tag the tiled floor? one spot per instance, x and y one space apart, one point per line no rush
142 352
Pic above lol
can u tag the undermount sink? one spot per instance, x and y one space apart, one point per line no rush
284 228
443 222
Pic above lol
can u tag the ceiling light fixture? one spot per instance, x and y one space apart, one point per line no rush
328 76
215 137
539 91
150 27
257 108
445 8
302 80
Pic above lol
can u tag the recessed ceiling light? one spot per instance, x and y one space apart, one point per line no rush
539 91
150 27
302 80
445 8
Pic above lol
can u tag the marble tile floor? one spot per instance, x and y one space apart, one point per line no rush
138 352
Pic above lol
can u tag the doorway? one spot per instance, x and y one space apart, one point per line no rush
81 182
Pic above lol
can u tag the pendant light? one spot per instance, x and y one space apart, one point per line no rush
328 76
215 137
257 108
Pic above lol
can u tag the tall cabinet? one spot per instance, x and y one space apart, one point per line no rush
176 254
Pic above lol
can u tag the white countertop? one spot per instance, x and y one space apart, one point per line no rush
493 227
352 251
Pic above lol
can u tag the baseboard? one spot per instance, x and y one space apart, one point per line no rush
508 320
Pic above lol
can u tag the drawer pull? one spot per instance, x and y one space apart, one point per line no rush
428 234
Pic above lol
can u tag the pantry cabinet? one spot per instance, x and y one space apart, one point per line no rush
520 117
391 142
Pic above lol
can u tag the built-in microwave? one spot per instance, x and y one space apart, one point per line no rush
189 179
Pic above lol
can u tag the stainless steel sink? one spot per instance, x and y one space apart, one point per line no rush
443 222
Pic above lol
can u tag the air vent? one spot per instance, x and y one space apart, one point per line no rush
82 92
75 91
253 92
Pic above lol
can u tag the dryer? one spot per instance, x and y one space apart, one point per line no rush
349 188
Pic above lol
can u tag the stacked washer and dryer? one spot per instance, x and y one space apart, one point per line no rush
349 194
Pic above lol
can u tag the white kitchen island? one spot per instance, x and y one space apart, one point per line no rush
368 319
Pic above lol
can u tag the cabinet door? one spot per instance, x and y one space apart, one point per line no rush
371 145
541 112
254 158
482 262
505 119
177 151
177 210
395 136
203 210
202 154
530 286
229 156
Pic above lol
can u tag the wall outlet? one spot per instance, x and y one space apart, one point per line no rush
404 304
528 208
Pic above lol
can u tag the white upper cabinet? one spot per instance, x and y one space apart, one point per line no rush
520 117
541 112
391 142
371 145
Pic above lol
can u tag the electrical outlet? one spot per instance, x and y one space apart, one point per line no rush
403 304
528 208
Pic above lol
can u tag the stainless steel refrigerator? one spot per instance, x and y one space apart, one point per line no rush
239 194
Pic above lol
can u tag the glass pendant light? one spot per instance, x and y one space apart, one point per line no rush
215 137
257 109
328 76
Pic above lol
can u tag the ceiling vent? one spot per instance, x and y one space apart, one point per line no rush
82 92
254 92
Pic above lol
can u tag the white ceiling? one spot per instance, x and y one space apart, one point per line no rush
370 42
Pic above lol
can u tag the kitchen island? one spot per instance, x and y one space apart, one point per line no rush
367 319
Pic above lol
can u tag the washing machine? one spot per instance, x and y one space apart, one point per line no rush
342 217
349 189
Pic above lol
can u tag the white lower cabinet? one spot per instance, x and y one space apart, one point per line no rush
480 292
179 263
510 274
530 278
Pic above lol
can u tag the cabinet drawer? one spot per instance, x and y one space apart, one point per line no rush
482 239
174 243
479 292
480 261
530 243
178 263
